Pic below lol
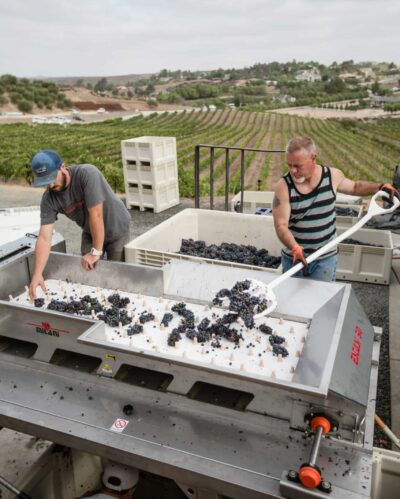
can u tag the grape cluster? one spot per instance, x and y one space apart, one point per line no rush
117 301
279 350
276 343
84 306
230 252
345 212
146 317
134 329
274 339
242 302
114 316
39 302
265 329
167 318
175 335
349 240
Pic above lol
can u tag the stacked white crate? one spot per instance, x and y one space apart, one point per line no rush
150 172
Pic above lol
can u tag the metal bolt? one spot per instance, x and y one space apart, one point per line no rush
341 414
326 486
292 475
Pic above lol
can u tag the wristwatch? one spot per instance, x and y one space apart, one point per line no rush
95 252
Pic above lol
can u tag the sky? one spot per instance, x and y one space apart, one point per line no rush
117 37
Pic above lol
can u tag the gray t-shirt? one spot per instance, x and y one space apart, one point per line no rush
87 188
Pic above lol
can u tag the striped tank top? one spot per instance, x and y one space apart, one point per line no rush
312 219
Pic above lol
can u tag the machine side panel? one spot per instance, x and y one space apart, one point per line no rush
351 373
313 361
112 275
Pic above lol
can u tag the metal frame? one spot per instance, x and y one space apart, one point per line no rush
227 149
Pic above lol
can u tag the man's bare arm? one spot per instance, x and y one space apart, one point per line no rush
355 188
281 214
96 224
42 251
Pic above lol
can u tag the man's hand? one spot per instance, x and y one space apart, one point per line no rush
298 255
37 280
89 261
391 190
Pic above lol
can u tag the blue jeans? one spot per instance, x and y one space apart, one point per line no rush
320 270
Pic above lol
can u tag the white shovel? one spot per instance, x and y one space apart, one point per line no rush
265 291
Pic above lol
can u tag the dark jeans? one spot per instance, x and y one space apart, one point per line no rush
114 250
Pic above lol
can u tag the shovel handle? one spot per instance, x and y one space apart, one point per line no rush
373 210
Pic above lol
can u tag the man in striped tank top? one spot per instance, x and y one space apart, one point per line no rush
304 207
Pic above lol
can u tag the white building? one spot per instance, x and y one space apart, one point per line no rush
312 74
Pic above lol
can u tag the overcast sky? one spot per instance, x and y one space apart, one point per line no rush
113 37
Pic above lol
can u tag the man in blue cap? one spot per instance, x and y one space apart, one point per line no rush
82 194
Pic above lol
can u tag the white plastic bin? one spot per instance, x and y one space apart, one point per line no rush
385 474
366 263
253 200
162 243
143 172
347 199
146 196
150 148
345 221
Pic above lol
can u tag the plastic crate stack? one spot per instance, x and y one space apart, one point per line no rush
150 172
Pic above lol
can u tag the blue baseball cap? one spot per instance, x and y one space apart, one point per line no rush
45 166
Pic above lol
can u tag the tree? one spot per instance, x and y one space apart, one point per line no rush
25 106
335 86
375 87
101 85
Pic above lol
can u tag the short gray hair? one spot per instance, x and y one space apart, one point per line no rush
299 143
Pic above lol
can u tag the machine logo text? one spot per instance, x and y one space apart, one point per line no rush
356 345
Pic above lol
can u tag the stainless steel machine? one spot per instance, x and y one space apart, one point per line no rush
217 432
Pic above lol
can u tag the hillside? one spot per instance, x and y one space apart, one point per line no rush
361 150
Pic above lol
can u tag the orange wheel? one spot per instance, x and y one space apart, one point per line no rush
309 477
321 421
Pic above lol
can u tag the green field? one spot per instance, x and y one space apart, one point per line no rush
361 150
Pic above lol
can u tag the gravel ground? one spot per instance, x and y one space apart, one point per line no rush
375 301
374 298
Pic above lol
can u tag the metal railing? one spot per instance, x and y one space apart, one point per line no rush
212 148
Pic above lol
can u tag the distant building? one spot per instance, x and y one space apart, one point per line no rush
312 74
367 71
271 83
378 101
284 99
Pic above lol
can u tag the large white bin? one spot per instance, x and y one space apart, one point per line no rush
366 263
162 243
